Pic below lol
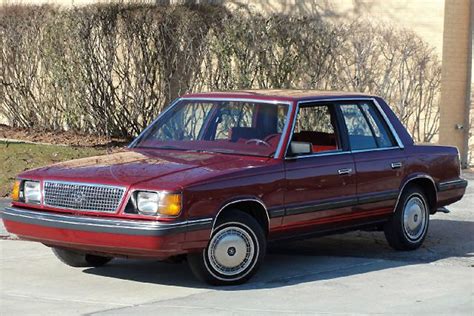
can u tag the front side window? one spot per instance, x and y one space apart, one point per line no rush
234 127
365 127
315 124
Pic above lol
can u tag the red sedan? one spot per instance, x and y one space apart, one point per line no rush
219 175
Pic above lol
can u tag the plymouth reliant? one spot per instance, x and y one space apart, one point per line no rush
219 175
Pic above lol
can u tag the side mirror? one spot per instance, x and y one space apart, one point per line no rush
300 148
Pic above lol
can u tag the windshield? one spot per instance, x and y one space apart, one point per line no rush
232 127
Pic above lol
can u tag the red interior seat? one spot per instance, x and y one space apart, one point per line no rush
320 141
318 148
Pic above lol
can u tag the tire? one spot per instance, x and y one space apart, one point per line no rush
79 260
234 252
408 226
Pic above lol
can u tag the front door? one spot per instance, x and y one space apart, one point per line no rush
321 183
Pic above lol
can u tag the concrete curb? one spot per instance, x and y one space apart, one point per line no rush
3 232
20 141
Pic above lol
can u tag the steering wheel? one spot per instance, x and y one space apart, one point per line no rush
257 142
270 137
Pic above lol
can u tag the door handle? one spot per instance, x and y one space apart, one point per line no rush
344 171
396 165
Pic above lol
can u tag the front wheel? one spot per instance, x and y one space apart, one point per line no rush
77 259
234 253
407 228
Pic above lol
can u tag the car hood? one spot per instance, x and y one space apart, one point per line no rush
135 167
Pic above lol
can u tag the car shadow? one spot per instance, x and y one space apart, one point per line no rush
316 259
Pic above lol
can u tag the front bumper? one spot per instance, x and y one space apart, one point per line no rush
102 235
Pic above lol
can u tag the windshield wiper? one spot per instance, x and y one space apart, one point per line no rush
227 152
206 151
215 151
165 147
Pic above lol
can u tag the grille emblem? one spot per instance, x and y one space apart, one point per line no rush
77 197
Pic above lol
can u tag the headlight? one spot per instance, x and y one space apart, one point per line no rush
147 202
32 192
158 203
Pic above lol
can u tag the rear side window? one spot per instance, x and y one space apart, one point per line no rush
383 137
365 127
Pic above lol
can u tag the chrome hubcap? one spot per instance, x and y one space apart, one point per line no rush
231 251
414 218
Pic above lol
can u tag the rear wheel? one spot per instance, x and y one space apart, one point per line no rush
234 253
77 259
407 228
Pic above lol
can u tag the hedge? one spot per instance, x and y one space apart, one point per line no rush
110 69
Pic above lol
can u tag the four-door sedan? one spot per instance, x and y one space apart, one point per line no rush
219 175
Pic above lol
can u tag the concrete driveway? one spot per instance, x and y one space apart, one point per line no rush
355 273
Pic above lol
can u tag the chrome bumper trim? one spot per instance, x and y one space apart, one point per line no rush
451 185
102 225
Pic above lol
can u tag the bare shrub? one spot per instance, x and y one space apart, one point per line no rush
397 65
110 69
23 90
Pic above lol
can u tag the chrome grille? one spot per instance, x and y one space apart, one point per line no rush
83 196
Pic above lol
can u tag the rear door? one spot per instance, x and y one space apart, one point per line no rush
379 160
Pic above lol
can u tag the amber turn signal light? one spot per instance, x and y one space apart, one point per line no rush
16 191
170 205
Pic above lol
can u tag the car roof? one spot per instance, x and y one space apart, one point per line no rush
277 94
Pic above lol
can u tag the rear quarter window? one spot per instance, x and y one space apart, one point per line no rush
358 129
383 136
365 126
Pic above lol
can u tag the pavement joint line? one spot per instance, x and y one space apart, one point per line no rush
49 298
149 303
280 311
345 268
253 310
243 287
